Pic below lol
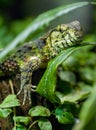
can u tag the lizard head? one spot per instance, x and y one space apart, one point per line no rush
61 37
65 35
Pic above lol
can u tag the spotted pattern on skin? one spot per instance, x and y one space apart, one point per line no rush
33 55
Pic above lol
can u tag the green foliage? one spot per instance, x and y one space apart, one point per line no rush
10 101
5 112
19 127
39 111
22 119
44 124
5 106
63 115
8 33
71 96
88 118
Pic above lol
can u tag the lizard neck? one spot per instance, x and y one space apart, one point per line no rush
46 50
49 51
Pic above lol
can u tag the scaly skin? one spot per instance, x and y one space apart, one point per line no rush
35 54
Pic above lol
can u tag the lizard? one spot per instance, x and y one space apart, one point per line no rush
36 54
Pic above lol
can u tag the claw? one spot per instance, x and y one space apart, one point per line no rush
19 91
21 88
27 92
33 88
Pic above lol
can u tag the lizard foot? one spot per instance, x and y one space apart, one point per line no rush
27 92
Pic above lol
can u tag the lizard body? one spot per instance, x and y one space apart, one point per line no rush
35 54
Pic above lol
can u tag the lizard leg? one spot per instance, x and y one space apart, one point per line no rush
26 77
27 92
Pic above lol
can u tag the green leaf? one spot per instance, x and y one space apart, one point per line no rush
22 119
76 94
19 127
47 84
10 101
39 111
67 76
63 116
44 124
40 22
5 112
88 113
90 107
88 74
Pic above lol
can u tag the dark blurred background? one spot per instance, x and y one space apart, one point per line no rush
21 9
15 15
